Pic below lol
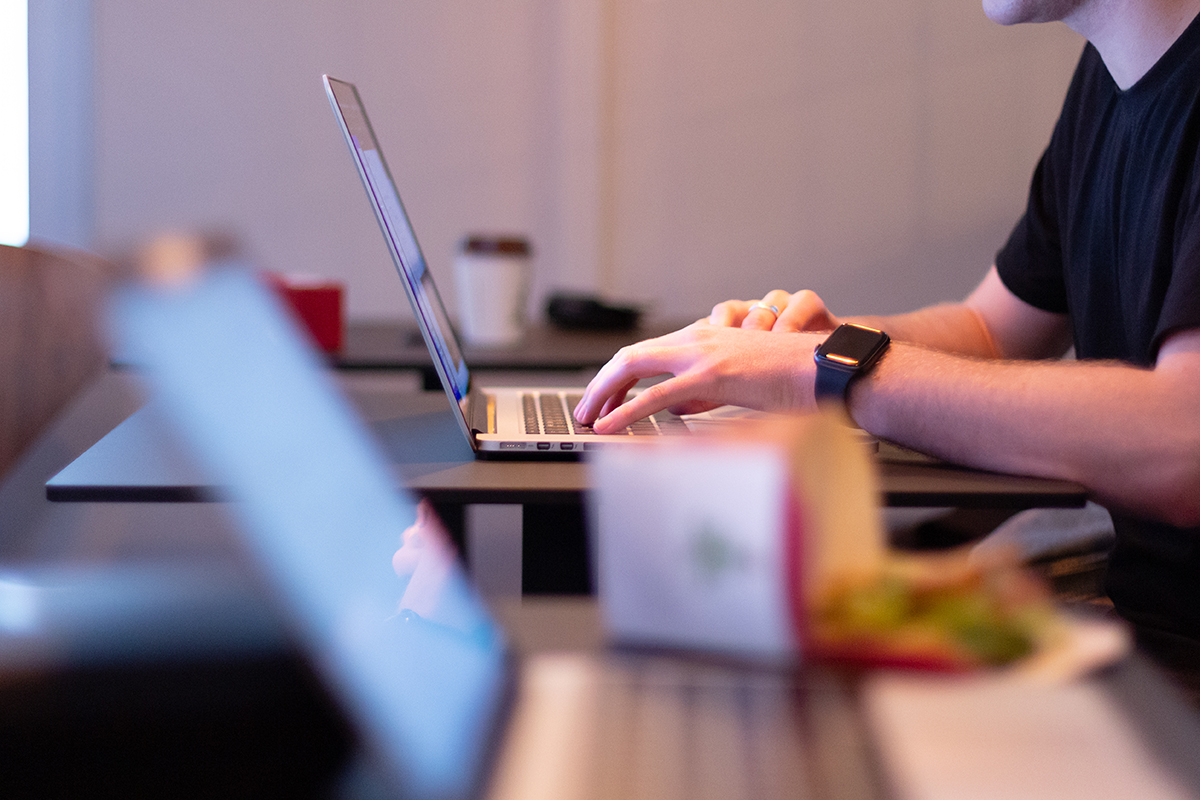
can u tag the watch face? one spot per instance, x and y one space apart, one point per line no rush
851 345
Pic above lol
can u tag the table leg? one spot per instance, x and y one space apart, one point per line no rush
554 551
453 517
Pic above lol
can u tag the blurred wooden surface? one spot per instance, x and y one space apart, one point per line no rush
49 342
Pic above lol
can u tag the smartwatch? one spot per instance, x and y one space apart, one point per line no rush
850 351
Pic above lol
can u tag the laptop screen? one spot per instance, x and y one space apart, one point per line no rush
402 241
400 637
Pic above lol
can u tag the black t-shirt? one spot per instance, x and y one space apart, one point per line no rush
1111 236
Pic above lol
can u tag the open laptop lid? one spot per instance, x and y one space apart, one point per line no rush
416 662
427 305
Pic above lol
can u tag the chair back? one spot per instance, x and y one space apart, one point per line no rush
50 344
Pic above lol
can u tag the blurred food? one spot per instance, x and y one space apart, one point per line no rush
935 612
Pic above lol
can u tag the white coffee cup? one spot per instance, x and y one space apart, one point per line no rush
492 277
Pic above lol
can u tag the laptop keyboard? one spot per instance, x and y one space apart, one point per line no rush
550 413
649 728
679 730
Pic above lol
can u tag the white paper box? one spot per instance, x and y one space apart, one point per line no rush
691 546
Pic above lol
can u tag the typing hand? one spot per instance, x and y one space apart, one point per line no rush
710 366
777 311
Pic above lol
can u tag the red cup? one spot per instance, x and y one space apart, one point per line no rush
317 303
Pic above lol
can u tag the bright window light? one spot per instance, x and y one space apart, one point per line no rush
14 122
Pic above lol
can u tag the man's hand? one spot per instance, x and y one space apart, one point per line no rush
416 540
777 311
710 366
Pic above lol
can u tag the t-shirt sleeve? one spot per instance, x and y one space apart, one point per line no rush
1031 262
1181 303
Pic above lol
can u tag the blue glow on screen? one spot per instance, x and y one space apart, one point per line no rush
414 270
402 240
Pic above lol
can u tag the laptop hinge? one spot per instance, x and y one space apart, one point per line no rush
482 412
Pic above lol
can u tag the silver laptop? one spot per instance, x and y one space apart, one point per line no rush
497 421
405 645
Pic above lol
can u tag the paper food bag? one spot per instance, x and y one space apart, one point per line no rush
712 542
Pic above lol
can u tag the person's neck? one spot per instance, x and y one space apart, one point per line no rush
1132 35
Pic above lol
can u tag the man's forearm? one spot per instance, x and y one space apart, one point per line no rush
1132 436
990 323
948 327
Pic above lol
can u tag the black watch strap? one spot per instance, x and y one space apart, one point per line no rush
832 383
851 350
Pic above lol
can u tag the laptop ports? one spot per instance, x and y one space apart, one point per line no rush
543 445
567 446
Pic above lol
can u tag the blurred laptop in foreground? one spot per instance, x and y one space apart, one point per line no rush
414 659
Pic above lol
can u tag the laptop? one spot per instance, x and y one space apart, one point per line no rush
402 641
499 421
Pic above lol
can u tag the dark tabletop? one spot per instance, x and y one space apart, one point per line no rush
138 462
398 345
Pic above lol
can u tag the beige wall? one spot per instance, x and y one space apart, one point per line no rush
667 151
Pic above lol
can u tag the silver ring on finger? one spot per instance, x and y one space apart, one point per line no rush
760 304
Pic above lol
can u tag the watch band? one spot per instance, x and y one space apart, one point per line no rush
832 383
851 350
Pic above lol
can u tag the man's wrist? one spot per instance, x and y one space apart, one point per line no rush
848 353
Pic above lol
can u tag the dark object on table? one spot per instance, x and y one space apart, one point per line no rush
587 313
256 727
